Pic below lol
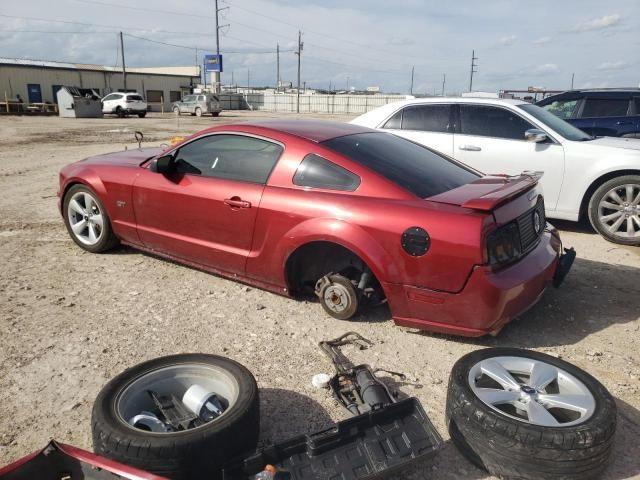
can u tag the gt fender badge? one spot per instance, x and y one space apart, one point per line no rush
120 203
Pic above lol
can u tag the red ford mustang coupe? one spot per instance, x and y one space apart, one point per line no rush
352 215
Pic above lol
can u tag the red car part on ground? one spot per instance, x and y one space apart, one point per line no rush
61 461
485 253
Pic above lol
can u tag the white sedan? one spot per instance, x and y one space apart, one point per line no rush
584 176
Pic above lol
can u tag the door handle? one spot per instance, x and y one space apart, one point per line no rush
470 148
237 202
623 123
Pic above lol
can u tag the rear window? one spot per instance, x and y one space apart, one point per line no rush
415 168
134 97
605 107
318 172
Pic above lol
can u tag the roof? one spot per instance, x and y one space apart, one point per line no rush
314 130
188 71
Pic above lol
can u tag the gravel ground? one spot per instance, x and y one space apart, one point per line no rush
70 320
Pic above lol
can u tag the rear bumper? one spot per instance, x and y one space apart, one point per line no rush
488 301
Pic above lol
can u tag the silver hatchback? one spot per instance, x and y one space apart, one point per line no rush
198 105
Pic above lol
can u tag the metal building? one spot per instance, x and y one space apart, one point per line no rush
38 81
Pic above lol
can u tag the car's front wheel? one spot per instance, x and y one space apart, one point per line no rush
87 221
176 110
614 210
198 112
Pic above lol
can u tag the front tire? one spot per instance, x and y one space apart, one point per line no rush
87 220
191 453
176 110
526 415
614 210
198 112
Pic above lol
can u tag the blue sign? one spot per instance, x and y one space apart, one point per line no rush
213 63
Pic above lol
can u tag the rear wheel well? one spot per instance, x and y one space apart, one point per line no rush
584 206
309 262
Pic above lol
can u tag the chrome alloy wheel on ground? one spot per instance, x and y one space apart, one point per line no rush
619 210
531 391
85 218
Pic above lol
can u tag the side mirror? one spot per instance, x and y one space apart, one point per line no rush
535 135
164 165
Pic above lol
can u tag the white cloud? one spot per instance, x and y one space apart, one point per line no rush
507 40
619 65
600 23
542 41
545 69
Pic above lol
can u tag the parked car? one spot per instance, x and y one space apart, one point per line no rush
344 212
198 105
584 176
123 104
604 112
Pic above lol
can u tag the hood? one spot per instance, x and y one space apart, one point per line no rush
489 192
616 142
133 157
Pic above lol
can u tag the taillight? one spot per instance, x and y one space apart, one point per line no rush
503 245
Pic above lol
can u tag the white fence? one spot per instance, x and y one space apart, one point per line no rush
271 102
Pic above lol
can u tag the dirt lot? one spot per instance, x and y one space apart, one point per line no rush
70 320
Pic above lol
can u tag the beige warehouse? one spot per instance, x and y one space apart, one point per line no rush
38 80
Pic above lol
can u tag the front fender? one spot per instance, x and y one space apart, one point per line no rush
73 175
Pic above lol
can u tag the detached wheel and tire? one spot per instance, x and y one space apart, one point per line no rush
191 453
525 415
87 221
338 297
614 210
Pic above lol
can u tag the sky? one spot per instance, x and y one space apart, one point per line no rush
358 43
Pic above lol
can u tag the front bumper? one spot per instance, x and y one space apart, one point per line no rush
489 300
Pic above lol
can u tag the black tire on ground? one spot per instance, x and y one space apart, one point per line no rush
120 112
198 112
215 114
108 240
190 454
142 114
597 197
510 448
347 292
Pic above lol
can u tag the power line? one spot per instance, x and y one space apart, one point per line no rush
143 9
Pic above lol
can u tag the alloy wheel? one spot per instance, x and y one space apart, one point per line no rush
85 218
619 211
531 391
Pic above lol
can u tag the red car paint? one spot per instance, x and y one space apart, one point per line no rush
58 460
449 289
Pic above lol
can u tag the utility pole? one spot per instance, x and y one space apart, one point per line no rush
474 65
196 64
572 77
444 80
216 87
411 89
299 53
248 82
277 67
124 70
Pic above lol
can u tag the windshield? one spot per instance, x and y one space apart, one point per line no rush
411 166
565 129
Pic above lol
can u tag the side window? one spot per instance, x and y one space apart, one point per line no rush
428 118
487 121
230 157
201 98
317 172
605 107
394 122
636 101
562 108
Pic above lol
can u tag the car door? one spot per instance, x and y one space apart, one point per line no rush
427 124
205 211
605 117
491 139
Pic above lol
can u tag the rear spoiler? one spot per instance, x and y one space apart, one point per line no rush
487 193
